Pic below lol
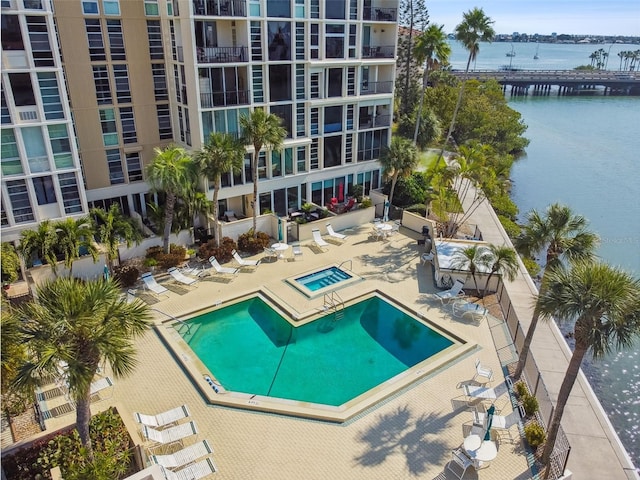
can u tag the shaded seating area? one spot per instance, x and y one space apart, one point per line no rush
152 285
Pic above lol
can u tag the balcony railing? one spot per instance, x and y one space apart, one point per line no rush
371 88
380 14
220 8
223 99
386 51
222 54
367 121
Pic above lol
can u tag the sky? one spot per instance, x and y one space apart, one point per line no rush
589 17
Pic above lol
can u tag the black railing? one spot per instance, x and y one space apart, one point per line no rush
371 88
223 99
220 8
222 54
380 14
380 51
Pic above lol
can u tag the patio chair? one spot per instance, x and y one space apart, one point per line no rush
297 251
151 284
185 456
426 257
462 462
335 234
482 371
500 423
230 216
474 392
318 240
270 253
169 435
243 262
474 311
163 419
453 292
178 276
219 268
195 471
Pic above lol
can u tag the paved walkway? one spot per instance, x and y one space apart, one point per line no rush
596 451
407 436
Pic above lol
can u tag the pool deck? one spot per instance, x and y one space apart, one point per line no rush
408 435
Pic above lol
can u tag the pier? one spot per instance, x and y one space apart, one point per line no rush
562 82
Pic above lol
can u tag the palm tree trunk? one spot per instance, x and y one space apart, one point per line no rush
407 66
83 415
524 353
168 219
394 180
486 285
254 169
455 110
563 395
419 118
216 223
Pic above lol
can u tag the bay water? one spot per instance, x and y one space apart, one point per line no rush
584 152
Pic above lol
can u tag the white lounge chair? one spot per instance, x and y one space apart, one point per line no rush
453 292
195 471
96 387
482 371
297 251
243 262
151 284
474 311
178 276
182 457
162 419
318 240
501 423
463 462
484 393
219 268
334 234
169 435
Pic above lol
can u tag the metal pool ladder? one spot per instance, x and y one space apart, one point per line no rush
332 301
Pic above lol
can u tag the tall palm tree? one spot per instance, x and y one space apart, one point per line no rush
603 301
474 258
41 242
398 160
433 48
262 130
192 204
172 172
474 28
78 326
74 234
113 228
221 154
564 237
502 260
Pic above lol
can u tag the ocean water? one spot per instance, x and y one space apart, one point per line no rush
584 152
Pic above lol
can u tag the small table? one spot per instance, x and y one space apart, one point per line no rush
384 228
478 449
280 247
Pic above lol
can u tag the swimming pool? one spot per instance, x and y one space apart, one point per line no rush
318 282
252 349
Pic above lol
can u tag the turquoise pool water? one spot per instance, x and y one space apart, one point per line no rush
250 348
323 278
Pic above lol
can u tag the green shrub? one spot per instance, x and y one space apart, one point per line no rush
10 263
511 227
418 209
222 253
365 203
153 252
150 262
532 266
246 242
530 404
521 389
535 434
127 274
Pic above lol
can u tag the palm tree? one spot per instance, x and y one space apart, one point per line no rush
74 234
113 228
262 130
502 260
431 46
41 242
80 325
192 204
172 172
221 154
564 237
398 160
474 28
603 301
474 259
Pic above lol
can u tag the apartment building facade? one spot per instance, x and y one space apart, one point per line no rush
144 73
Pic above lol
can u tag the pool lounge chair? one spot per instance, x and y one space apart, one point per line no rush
96 387
297 251
195 471
474 392
151 284
318 240
162 419
334 234
178 276
243 262
182 457
169 435
219 268
453 292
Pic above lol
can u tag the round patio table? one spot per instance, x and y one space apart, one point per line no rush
481 450
280 247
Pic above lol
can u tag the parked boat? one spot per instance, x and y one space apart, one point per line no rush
512 53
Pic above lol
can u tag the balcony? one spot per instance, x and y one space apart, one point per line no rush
372 88
380 14
387 51
222 54
221 8
224 99
377 121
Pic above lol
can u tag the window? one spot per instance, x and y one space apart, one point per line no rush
128 125
111 7
334 81
332 151
315 40
90 7
11 33
284 112
70 192
60 145
279 8
279 38
352 41
335 9
300 120
164 122
300 41
22 90
35 149
134 167
20 203
10 158
276 164
256 42
116 40
159 81
258 87
151 8
116 175
121 77
334 41
370 143
50 94
45 193
301 159
109 128
262 165
313 155
332 119
39 39
101 80
96 42
154 34
6 114
279 82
